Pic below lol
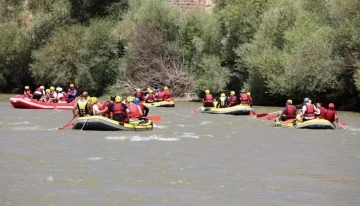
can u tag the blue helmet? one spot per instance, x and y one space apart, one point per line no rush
136 100
306 99
158 90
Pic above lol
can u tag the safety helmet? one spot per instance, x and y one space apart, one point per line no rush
148 89
27 87
289 101
118 99
93 100
130 99
88 98
42 87
232 93
222 95
310 101
71 85
60 89
52 88
151 91
331 106
112 98
166 88
207 91
136 100
158 90
138 89
306 99
243 90
47 90
249 94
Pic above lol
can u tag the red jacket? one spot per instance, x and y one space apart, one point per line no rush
208 98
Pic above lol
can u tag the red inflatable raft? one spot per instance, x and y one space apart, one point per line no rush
18 101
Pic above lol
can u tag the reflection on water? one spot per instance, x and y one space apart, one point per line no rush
198 159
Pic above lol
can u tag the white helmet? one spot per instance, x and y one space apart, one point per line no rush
60 89
42 87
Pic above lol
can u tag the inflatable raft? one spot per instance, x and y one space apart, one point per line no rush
19 101
235 110
160 104
310 124
101 123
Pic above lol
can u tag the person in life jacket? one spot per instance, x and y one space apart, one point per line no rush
105 107
39 93
250 99
71 93
47 97
150 97
159 96
53 95
119 111
289 112
222 101
167 94
94 108
83 106
244 97
208 100
322 111
135 110
139 94
144 109
232 100
331 115
27 92
60 95
308 110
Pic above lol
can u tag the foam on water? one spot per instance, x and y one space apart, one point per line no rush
94 158
137 138
353 129
190 135
204 122
19 123
160 126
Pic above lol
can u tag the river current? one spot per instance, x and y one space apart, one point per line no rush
188 159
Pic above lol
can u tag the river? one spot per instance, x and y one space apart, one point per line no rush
188 159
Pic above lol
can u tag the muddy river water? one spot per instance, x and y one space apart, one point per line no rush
188 159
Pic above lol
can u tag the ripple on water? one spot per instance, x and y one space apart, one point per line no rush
189 135
160 126
137 138
94 158
19 123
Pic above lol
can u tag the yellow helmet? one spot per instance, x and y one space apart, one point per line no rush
249 94
88 98
232 93
207 91
138 89
27 87
148 89
309 101
289 101
47 90
52 88
166 88
151 91
118 99
93 100
130 99
71 85
222 95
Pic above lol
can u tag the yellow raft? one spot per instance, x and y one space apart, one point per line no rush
235 110
168 103
310 124
101 123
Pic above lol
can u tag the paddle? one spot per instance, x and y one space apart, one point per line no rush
265 114
195 110
67 124
154 118
342 124
271 117
55 107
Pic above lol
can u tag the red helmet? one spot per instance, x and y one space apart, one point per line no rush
331 106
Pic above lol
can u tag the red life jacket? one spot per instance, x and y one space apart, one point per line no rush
139 95
134 111
64 97
118 109
71 91
27 94
330 115
322 113
160 95
232 100
208 98
150 97
244 98
290 112
142 108
310 112
51 95
105 105
167 95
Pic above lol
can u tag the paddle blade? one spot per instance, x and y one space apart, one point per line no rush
154 118
271 117
252 113
194 111
261 115
342 123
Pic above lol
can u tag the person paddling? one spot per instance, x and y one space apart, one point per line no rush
150 97
322 111
167 94
144 109
331 115
289 112
119 112
105 107
39 93
27 92
208 100
244 97
82 108
308 110
222 101
71 93
94 108
232 100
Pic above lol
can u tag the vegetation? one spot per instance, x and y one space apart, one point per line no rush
277 49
